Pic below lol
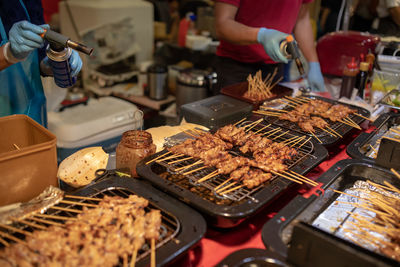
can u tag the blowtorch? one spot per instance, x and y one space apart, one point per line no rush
290 49
59 52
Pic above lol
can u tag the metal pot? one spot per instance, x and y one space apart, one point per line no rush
193 85
157 81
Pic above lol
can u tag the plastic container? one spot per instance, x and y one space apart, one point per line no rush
385 81
28 159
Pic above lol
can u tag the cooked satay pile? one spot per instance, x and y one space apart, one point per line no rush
303 114
267 156
383 231
259 89
98 237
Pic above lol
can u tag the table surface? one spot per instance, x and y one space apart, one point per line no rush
219 243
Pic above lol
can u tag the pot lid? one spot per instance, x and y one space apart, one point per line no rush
196 77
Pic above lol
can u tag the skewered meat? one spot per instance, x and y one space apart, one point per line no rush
98 237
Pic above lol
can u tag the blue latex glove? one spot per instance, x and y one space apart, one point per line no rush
315 78
271 40
75 63
25 37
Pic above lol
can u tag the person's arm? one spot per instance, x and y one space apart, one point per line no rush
395 14
304 35
230 30
3 61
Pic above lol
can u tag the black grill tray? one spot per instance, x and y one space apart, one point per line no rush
277 233
326 139
357 150
192 224
230 216
253 257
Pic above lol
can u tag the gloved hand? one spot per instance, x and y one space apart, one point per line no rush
75 63
25 37
271 40
315 78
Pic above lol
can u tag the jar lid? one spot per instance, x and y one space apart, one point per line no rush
157 68
195 77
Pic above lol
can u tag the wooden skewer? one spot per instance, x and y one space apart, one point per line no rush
222 184
251 124
14 229
11 237
5 243
16 147
230 190
286 177
268 109
125 260
208 176
190 134
262 128
395 173
379 186
239 121
56 217
268 113
195 170
396 131
325 130
316 137
225 187
359 115
393 139
280 135
291 140
45 221
171 157
351 121
179 160
347 194
304 98
347 123
134 254
78 203
305 142
394 189
65 209
298 141
271 132
292 99
188 166
330 129
160 156
84 198
31 224
286 103
376 152
153 253
305 178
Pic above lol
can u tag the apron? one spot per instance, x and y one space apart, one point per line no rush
21 90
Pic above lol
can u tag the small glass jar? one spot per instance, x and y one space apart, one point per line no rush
133 147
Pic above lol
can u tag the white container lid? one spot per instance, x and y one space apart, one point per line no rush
100 119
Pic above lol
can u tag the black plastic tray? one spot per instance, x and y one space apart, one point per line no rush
226 216
326 139
253 257
192 224
359 147
277 233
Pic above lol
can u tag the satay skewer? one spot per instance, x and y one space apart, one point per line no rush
11 237
295 101
134 255
350 120
179 160
225 187
156 158
78 203
153 253
14 229
56 217
208 176
125 260
330 129
171 157
195 170
305 142
291 140
259 130
361 116
65 209
45 221
316 137
305 178
232 189
31 224
287 103
5 243
188 166
222 184
298 141
286 177
347 123
325 130
236 123
280 135
84 198
271 132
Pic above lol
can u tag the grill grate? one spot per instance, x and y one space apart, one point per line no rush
337 126
304 148
57 214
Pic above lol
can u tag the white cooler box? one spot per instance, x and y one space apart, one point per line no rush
99 123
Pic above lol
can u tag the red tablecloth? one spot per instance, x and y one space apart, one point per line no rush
217 244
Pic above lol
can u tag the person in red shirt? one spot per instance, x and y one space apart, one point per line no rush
251 32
